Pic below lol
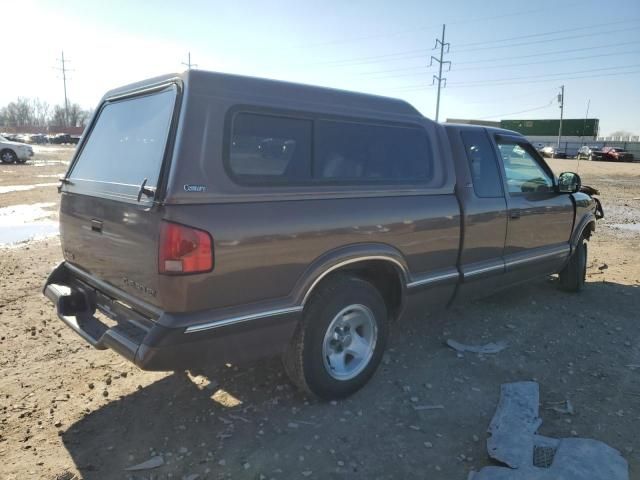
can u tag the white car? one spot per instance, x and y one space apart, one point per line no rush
11 152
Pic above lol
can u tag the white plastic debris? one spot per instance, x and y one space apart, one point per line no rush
487 349
153 462
515 443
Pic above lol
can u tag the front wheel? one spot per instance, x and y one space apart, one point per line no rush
574 274
340 341
8 156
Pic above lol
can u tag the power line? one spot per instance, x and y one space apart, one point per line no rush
419 53
493 100
496 81
440 62
544 34
541 54
414 88
511 57
569 37
559 74
546 105
555 60
420 29
489 67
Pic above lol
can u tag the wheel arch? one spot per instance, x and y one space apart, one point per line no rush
586 227
381 265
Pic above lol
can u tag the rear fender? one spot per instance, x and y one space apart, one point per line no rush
349 256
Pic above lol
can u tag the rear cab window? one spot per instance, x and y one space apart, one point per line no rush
482 164
125 146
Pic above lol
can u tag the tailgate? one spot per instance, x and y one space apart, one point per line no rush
109 211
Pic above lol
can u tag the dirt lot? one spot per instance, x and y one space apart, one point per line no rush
69 411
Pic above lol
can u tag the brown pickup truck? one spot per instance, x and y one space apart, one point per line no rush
210 218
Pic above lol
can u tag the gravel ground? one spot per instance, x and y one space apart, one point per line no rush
68 411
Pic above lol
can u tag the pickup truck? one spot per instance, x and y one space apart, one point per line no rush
209 218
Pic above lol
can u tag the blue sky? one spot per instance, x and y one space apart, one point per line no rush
508 57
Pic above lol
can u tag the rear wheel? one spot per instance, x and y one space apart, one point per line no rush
8 156
340 341
574 274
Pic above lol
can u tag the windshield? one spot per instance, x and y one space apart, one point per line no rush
125 146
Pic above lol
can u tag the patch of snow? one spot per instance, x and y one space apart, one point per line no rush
21 223
22 188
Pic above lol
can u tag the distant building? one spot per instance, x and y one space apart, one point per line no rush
583 128
464 121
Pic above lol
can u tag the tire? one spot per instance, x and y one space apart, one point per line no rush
324 359
8 156
574 274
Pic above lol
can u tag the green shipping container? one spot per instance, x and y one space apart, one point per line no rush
571 127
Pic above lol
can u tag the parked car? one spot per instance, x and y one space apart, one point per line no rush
301 221
551 152
14 152
9 136
64 138
38 138
588 152
614 154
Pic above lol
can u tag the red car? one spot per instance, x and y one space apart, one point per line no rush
613 154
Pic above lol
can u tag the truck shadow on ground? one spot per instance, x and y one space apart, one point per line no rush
249 421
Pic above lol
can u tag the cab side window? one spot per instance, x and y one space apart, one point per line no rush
523 172
482 163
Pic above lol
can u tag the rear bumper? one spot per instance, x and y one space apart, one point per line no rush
149 340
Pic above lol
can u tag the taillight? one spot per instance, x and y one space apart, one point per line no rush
184 249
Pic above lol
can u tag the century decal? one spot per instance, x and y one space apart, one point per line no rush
195 188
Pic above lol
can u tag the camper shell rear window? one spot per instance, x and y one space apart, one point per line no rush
126 146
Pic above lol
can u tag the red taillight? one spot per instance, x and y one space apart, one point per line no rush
184 249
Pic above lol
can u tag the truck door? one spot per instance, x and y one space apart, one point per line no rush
484 212
539 220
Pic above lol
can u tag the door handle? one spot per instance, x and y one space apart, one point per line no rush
514 215
96 225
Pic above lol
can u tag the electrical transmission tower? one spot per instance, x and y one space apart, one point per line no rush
189 64
63 68
440 61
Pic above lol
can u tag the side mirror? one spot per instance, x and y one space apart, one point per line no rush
569 182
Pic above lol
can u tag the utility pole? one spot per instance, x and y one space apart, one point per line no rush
561 102
586 116
189 64
64 70
441 61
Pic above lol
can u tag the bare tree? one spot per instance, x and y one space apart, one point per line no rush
34 112
41 111
58 116
19 113
621 133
